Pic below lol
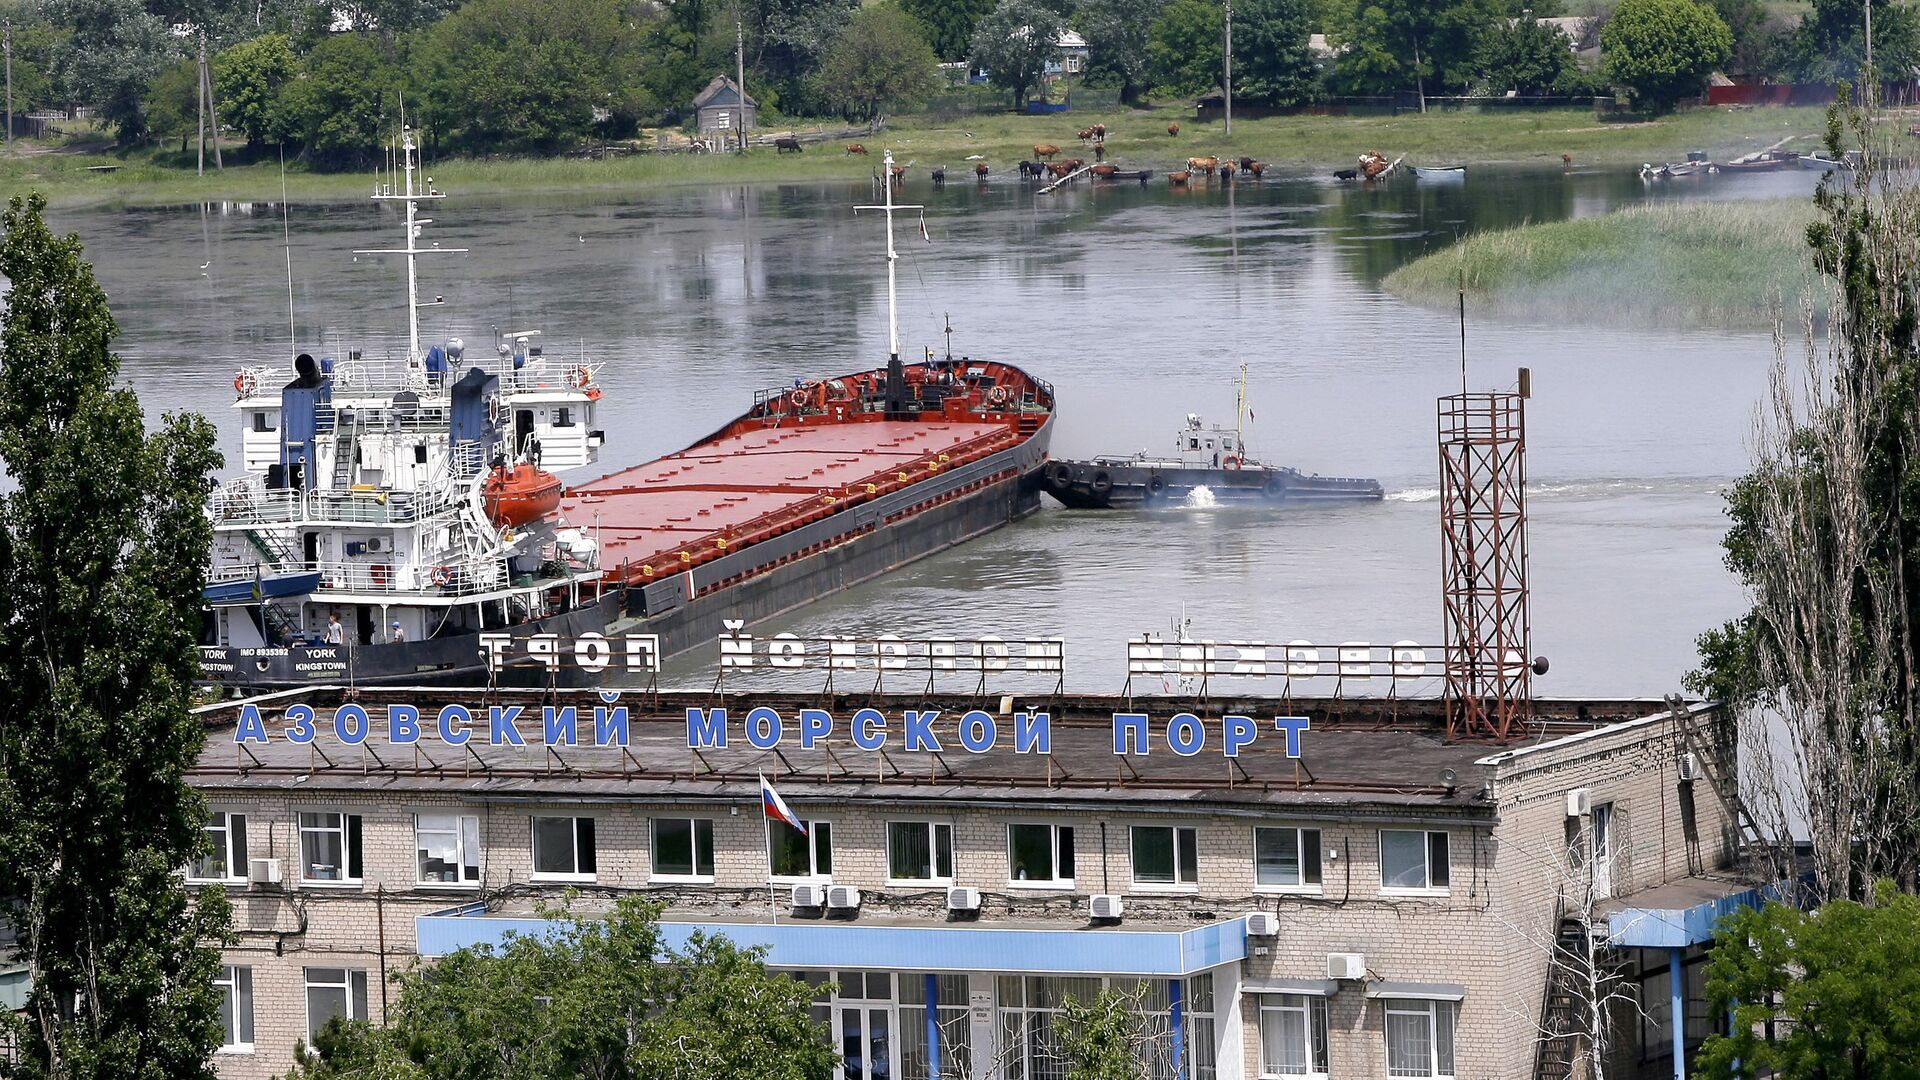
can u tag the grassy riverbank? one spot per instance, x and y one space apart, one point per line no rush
1135 138
1669 264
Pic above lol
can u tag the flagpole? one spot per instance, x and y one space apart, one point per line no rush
766 828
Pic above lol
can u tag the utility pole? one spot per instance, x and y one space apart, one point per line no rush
213 111
9 50
1226 66
1869 5
740 72
200 108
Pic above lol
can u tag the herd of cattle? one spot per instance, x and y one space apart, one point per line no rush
1206 168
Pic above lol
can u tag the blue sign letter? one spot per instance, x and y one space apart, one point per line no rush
350 724
1129 733
815 724
252 728
561 726
920 734
403 725
1185 734
1239 731
451 715
501 729
1293 726
1032 733
977 732
610 726
706 730
763 728
301 716
869 729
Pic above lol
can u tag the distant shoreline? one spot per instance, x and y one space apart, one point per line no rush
1135 139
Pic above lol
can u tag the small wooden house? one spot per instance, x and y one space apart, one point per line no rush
722 107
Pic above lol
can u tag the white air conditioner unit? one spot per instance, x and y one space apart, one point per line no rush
1689 767
375 543
1262 924
809 896
263 871
1346 965
843 897
1106 906
963 899
1579 802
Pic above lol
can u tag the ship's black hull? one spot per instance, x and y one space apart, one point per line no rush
689 610
1106 485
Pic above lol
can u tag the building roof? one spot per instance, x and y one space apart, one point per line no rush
721 91
1069 40
1383 754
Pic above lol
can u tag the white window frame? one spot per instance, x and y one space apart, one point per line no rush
1429 889
1303 886
698 877
576 874
813 853
935 830
1057 881
352 874
1313 1010
1436 1013
353 981
221 824
466 831
1176 885
230 980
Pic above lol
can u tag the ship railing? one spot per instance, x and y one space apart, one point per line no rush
450 579
390 373
245 504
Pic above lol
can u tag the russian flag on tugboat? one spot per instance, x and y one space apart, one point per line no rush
776 807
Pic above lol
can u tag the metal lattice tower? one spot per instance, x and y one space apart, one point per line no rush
1483 525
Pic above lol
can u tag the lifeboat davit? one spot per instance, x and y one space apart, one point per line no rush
519 494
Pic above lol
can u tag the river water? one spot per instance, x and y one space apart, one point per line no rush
1138 303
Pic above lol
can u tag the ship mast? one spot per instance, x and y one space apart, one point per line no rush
888 207
414 222
1240 414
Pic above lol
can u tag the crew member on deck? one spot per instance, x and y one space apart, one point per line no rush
336 634
398 636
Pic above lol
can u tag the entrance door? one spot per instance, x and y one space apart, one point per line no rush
864 1033
1602 851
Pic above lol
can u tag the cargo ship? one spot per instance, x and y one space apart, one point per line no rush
328 570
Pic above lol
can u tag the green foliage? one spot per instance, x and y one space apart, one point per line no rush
346 99
1015 41
1828 43
389 17
1847 976
1387 46
1524 55
1104 1039
36 47
173 102
1185 48
104 542
1272 64
115 49
880 59
1119 35
950 24
1663 49
787 42
248 81
1755 47
587 997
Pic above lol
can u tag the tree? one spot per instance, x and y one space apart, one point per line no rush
1663 49
1015 41
596 998
345 100
787 43
1828 43
1845 976
115 50
173 101
1387 46
249 78
880 58
1754 37
950 24
1185 47
1272 63
1119 34
36 46
1524 55
1106 1038
104 544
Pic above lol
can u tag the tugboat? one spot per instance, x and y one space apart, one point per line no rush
1213 458
386 524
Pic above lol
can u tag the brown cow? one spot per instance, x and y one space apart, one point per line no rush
1179 179
786 143
1566 159
1045 150
1100 151
980 168
1173 128
1203 164
1060 169
1257 168
856 148
1099 131
1105 172
1075 163
899 172
1085 134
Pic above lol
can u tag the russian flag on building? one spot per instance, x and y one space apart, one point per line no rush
776 807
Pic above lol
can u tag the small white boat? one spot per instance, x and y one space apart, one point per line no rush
1448 172
1822 163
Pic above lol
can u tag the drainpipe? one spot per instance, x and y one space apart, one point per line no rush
380 918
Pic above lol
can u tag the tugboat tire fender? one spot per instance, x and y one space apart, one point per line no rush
1156 484
1102 483
1059 476
1276 487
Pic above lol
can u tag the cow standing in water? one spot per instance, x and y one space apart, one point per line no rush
980 169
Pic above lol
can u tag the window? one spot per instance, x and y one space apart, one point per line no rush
1164 855
1287 858
1419 1038
563 848
236 1009
950 1016
227 835
335 992
563 417
793 854
919 851
263 421
1413 861
1293 1035
1030 1009
330 847
1040 855
683 848
448 848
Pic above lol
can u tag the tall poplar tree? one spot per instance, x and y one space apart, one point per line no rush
103 548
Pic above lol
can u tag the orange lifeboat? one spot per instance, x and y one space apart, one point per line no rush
517 495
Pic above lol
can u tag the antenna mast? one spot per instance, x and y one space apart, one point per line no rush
412 199
893 303
1240 414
